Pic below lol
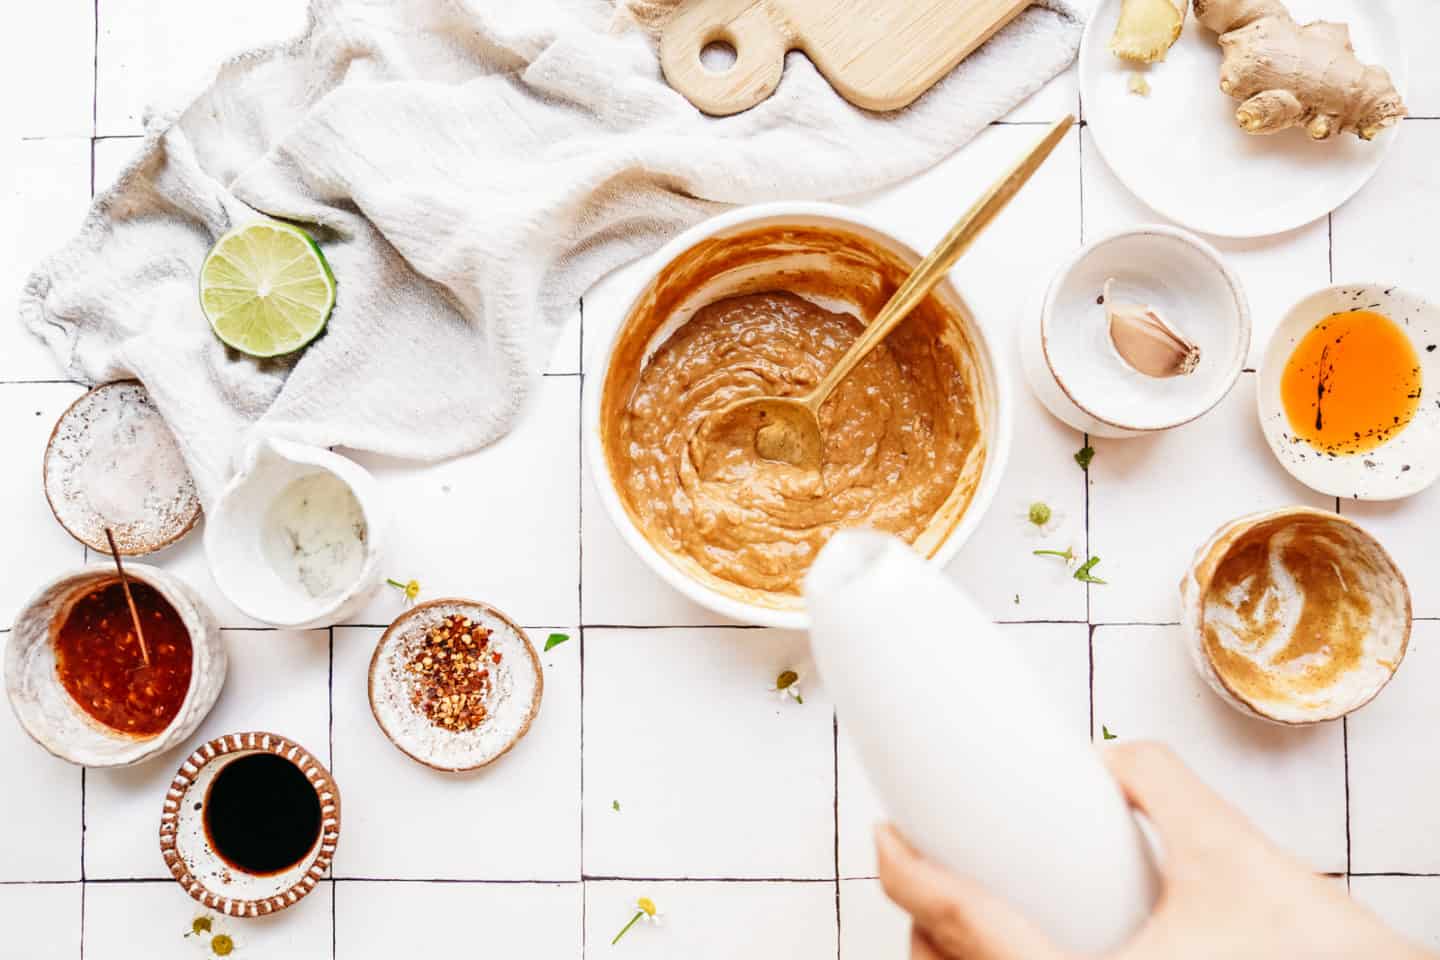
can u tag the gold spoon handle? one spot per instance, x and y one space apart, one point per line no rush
933 268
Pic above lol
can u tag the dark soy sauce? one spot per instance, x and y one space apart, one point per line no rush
261 814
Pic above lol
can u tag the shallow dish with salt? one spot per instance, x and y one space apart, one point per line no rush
113 462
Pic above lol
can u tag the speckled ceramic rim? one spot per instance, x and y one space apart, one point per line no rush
397 629
103 547
313 770
1232 531
1242 308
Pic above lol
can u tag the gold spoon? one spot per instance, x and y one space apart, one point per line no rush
787 429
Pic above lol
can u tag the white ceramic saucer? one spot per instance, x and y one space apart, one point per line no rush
1410 460
1180 151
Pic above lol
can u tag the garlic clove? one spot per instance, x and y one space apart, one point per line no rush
1147 343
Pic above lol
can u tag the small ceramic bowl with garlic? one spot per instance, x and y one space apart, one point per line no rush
1140 331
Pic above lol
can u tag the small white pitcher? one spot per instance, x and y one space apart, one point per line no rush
238 535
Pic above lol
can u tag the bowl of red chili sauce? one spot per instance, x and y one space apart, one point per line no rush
90 688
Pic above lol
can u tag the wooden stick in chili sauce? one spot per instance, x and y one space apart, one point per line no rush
125 585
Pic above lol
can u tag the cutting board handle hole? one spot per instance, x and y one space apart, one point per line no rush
718 55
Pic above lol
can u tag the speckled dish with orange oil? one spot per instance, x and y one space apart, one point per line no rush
1297 615
1347 392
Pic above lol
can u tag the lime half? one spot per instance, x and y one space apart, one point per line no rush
266 288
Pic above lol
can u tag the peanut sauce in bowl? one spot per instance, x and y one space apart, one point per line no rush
761 302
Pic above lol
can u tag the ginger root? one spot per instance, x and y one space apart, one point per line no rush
1147 29
1289 75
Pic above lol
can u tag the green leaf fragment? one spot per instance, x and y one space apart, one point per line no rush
555 640
1084 455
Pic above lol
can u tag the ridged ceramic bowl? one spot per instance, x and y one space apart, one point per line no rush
733 254
46 710
193 862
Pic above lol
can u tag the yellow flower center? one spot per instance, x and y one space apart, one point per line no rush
412 589
222 945
646 905
200 925
786 680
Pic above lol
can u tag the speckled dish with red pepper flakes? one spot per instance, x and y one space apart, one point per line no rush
455 684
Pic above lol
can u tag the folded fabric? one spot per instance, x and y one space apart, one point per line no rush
469 170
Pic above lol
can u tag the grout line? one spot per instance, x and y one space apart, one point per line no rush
674 626
94 124
23 382
580 598
584 920
1090 653
1395 874
83 885
1330 244
334 925
39 883
455 880
835 820
1345 741
598 879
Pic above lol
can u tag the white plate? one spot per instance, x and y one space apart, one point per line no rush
1406 463
1180 151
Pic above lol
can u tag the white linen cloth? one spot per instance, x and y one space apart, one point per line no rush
469 170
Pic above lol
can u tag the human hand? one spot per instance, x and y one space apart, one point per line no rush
1227 891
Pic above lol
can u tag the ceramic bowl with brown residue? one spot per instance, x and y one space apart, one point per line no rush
1295 615
842 261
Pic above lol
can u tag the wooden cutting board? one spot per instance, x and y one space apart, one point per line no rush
879 54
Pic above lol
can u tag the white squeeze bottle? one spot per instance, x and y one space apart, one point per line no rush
970 759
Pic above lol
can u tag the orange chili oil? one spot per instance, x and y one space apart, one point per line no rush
1352 383
98 659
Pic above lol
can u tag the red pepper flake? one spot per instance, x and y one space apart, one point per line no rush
450 684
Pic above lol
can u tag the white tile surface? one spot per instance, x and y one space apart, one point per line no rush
46 800
49 187
1275 271
382 921
1154 500
1371 242
1289 780
1394 780
54 58
1410 905
714 921
41 921
500 525
34 548
149 921
1059 654
518 819
278 681
619 589
112 156
715 776
870 925
157 55
1406 529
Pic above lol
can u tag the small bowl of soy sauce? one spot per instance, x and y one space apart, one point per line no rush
250 823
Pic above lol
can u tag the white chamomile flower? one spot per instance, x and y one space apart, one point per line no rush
787 686
1038 517
644 909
